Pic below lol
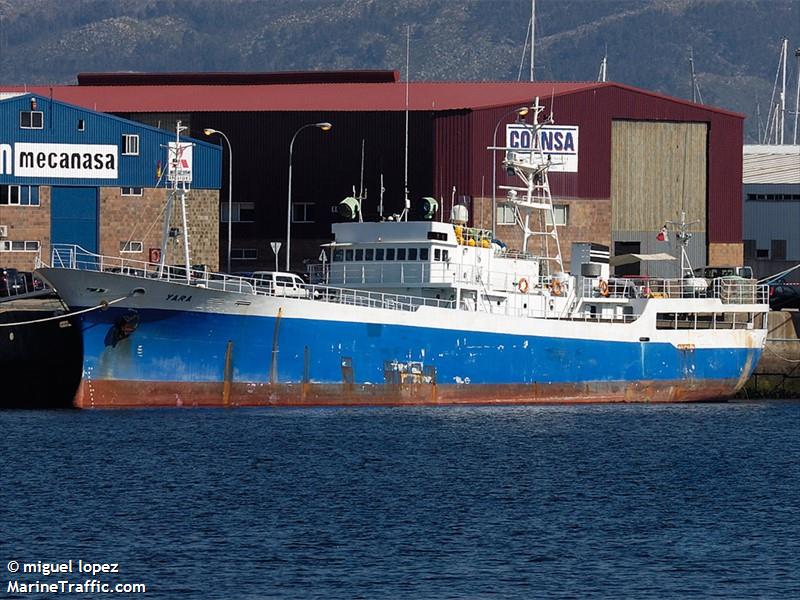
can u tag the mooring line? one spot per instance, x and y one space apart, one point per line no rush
103 305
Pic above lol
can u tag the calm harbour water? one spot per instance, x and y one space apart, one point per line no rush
627 501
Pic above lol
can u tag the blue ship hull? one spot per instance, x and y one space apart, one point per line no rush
172 357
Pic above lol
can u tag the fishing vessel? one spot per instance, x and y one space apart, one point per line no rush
412 312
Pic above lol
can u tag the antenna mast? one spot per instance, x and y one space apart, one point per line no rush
406 201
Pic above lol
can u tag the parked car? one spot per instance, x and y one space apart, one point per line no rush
715 272
12 282
783 294
280 284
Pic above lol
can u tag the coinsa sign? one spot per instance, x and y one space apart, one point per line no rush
69 161
560 143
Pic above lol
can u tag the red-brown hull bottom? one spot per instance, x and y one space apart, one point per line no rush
131 394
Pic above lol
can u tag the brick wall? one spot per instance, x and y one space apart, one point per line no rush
140 218
27 223
587 221
122 219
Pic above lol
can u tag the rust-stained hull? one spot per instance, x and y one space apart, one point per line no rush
131 394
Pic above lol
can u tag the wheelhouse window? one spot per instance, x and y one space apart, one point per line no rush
130 144
412 254
423 254
359 254
369 254
379 254
338 255
401 254
390 254
31 119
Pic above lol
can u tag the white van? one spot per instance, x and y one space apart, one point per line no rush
278 283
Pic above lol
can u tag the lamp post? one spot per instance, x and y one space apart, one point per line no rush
521 112
210 131
324 126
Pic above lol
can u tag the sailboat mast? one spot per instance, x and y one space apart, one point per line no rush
533 35
796 97
784 51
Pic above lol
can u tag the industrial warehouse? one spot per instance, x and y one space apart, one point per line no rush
624 162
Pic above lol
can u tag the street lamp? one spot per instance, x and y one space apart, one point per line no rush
521 112
210 131
324 126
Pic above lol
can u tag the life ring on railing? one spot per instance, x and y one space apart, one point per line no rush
523 285
603 287
555 287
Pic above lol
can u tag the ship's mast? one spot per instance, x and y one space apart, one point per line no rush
178 175
533 207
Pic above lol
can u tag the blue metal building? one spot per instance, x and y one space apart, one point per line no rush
72 175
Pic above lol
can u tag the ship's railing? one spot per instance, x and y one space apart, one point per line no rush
418 273
75 257
730 290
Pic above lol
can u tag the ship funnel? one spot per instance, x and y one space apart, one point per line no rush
459 214
429 207
349 208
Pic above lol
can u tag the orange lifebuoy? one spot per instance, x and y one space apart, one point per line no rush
523 285
555 287
603 287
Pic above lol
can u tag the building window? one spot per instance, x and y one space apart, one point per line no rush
131 247
130 144
19 195
505 215
10 194
561 212
302 212
778 249
241 212
749 248
244 253
20 246
762 253
31 119
130 191
81 125
773 197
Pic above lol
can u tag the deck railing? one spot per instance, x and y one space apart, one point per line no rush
730 290
75 257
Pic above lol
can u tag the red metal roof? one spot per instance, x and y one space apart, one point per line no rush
301 97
